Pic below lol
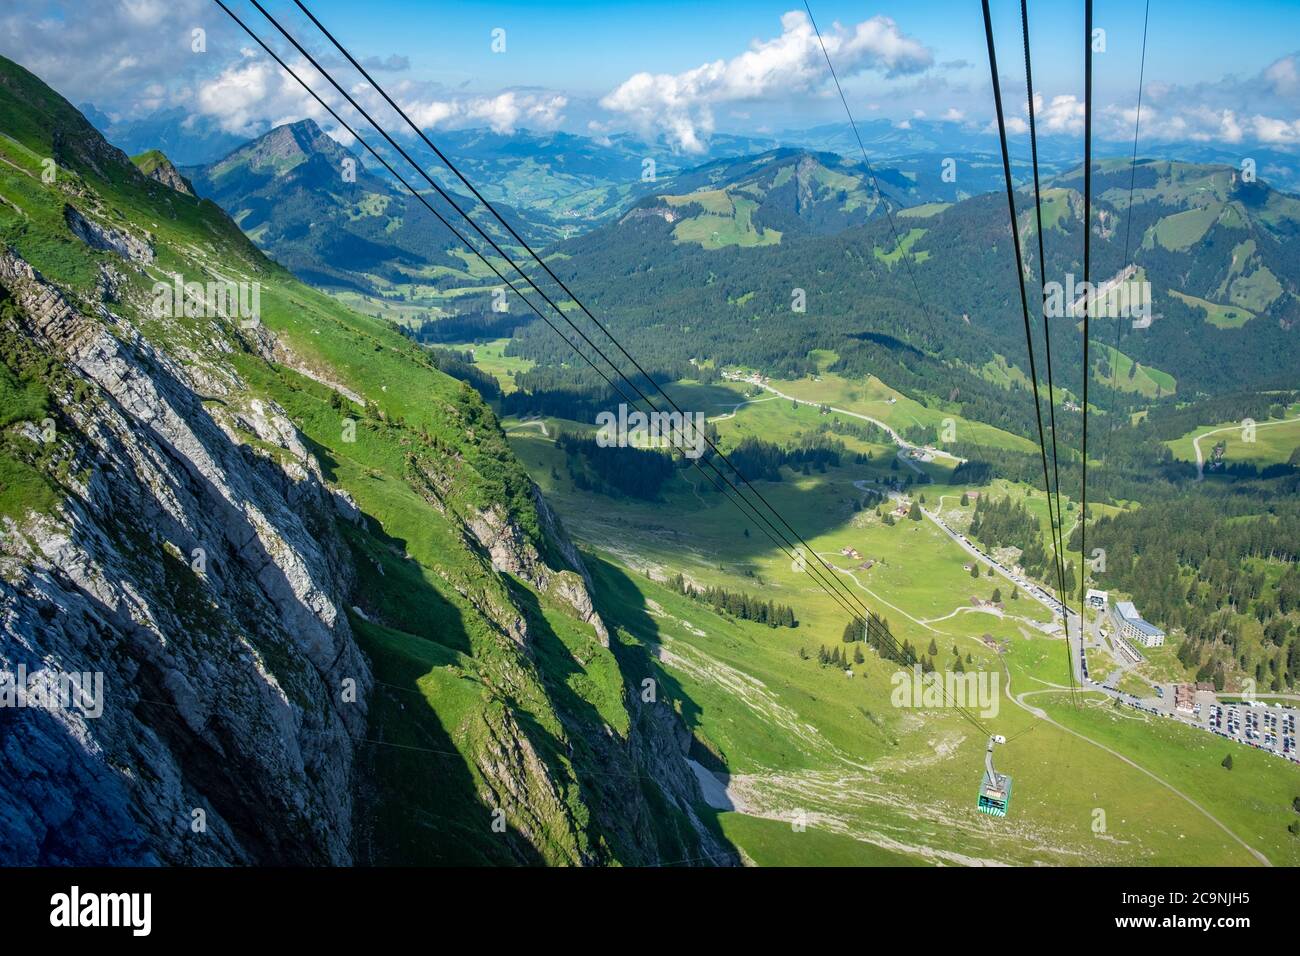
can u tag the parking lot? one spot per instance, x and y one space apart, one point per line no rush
1263 726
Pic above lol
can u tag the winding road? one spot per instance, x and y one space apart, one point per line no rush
1196 442
903 444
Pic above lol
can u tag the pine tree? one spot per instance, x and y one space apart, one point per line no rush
965 499
1227 762
933 649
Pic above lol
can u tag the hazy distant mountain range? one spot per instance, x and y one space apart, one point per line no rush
531 168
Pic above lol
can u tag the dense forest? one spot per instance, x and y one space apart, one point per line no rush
624 470
1207 564
1006 523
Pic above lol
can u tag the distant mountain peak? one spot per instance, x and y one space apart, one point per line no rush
154 164
284 148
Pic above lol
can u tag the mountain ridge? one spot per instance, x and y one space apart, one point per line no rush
305 590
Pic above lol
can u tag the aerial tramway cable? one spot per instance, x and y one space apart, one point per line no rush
563 315
1057 521
1020 278
1087 308
1128 234
875 627
469 245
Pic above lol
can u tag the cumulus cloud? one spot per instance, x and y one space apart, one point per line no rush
254 93
503 113
1258 109
108 51
681 105
1205 124
1063 114
1283 76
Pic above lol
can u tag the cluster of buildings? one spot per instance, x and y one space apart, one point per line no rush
1185 695
1129 629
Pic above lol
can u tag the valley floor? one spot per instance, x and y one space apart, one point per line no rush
808 763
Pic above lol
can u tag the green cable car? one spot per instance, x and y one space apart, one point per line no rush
995 788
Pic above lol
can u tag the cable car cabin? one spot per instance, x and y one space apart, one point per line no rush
995 794
995 788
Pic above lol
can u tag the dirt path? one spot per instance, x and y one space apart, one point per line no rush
1196 442
531 423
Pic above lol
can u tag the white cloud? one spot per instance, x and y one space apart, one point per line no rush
504 113
1270 130
107 51
1204 124
1064 114
1283 75
682 104
250 94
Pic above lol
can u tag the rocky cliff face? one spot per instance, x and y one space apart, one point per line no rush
277 591
161 170
203 584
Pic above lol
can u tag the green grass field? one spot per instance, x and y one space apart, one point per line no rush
1274 441
822 767
903 248
1146 380
1220 316
874 398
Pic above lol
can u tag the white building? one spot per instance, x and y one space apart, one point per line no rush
1130 625
1097 600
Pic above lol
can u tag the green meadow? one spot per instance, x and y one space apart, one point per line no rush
822 767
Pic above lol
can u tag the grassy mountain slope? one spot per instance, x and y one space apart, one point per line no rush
755 200
500 727
317 209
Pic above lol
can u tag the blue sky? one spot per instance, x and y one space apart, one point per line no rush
598 42
681 70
